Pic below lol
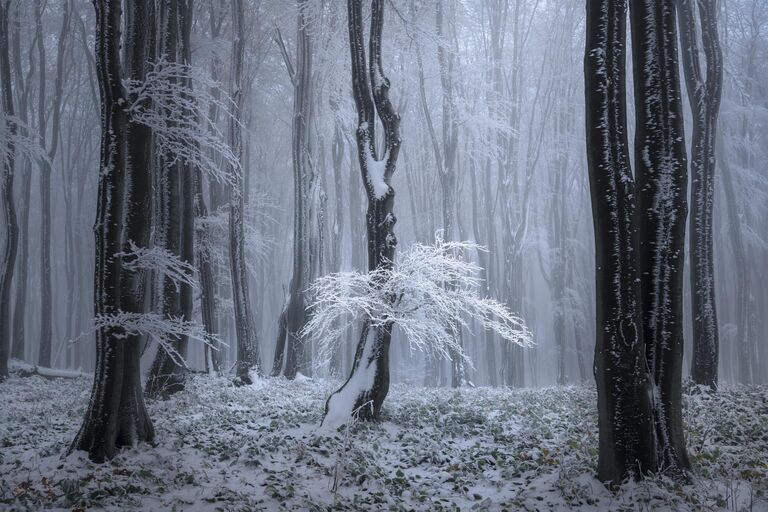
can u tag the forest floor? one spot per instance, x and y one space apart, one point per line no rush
258 448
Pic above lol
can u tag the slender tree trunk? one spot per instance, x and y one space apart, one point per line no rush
248 357
9 211
20 299
704 94
742 289
366 388
293 360
167 372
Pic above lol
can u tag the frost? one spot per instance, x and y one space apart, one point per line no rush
430 295
256 448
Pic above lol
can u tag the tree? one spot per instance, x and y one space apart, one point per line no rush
290 353
704 94
661 176
368 382
625 421
248 357
23 89
9 210
431 295
116 415
639 224
46 306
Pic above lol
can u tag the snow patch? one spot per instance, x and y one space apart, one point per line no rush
341 404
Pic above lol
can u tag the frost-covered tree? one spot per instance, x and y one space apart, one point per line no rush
290 353
623 384
248 357
661 178
116 415
704 83
639 223
431 294
368 382
7 154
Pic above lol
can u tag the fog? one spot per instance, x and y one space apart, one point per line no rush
492 97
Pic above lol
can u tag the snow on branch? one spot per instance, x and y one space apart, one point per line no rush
162 261
173 101
158 327
213 232
432 292
23 140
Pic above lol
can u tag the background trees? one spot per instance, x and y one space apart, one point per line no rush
510 76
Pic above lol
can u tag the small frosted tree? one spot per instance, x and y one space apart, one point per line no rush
415 296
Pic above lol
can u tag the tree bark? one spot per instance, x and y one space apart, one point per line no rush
9 210
363 393
248 357
292 357
116 415
167 373
661 171
625 419
704 94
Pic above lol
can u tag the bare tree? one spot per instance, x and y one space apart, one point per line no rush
9 210
639 226
46 306
290 352
704 93
368 381
247 343
116 415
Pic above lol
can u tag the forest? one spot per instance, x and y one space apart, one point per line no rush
384 255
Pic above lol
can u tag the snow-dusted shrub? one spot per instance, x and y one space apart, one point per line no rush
432 292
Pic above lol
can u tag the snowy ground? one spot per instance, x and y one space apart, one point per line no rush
257 448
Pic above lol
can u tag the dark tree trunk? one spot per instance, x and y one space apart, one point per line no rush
167 373
625 419
9 211
704 93
366 388
44 357
20 298
661 171
291 358
116 415
247 343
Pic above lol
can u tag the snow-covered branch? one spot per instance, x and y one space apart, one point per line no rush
173 100
213 232
162 261
158 327
23 140
432 292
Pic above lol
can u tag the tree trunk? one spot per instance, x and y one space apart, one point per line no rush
167 372
290 327
625 419
704 94
20 298
9 210
661 171
364 391
248 357
116 414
